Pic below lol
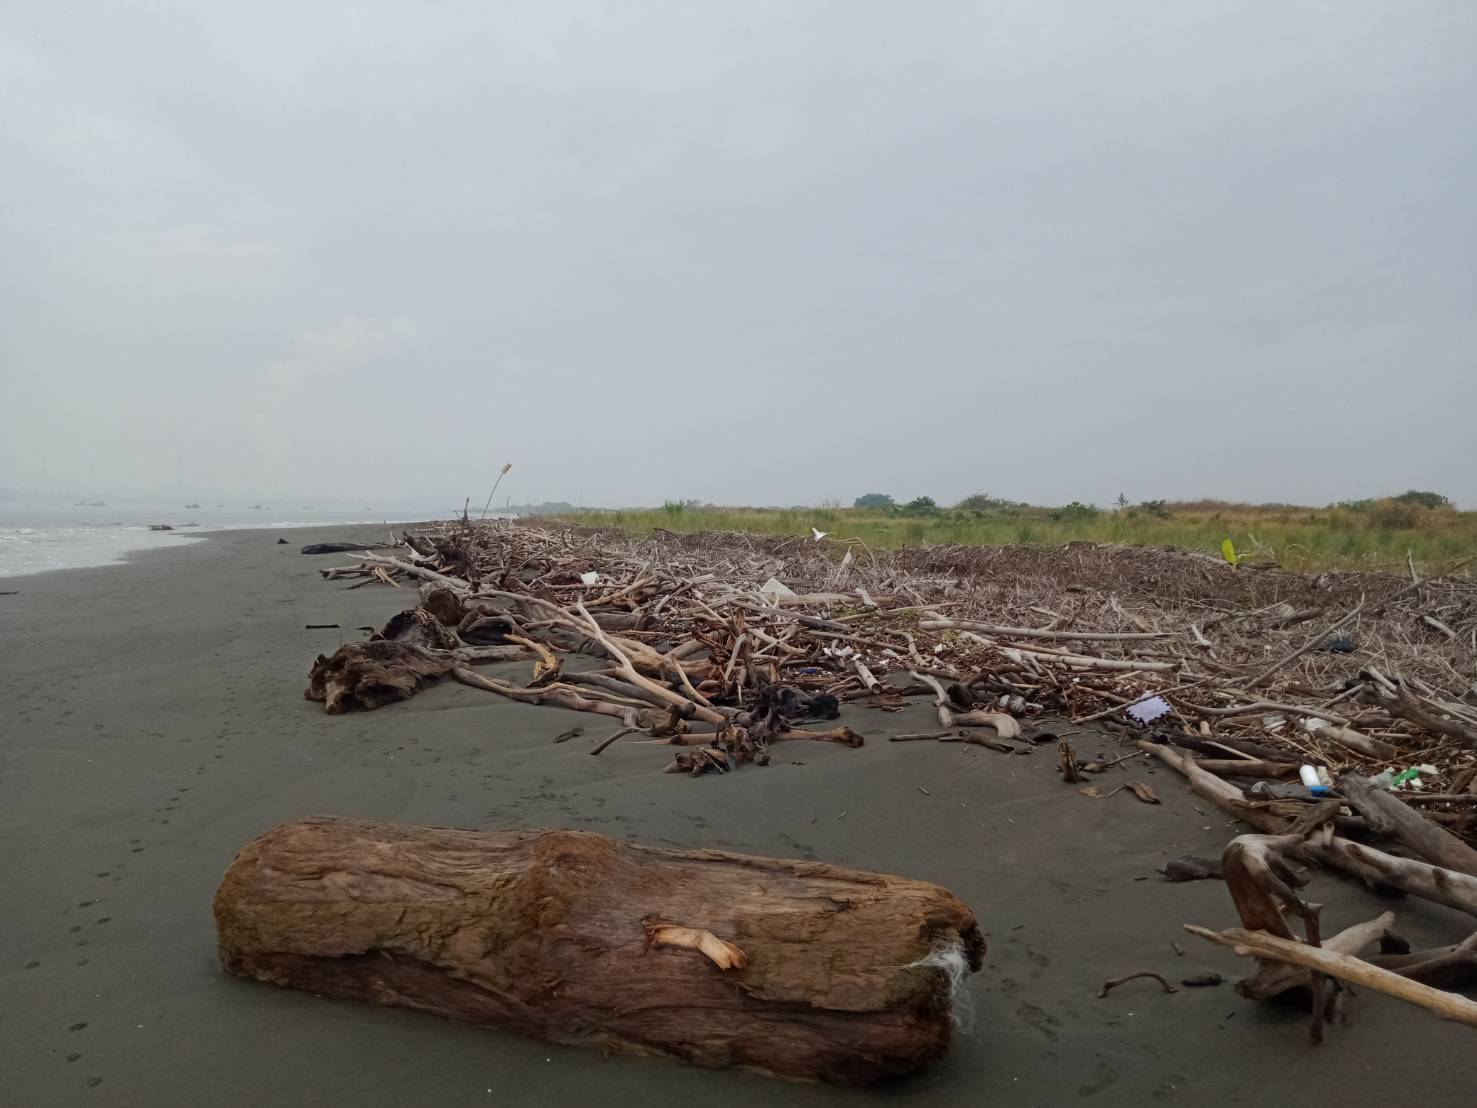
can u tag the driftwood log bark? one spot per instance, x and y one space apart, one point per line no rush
367 675
795 969
1389 815
370 674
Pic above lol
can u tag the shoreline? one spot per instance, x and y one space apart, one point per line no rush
115 546
155 724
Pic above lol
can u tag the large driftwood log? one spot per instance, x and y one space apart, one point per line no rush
796 969
370 674
1386 813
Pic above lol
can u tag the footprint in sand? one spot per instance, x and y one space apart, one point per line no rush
1103 1076
1042 1021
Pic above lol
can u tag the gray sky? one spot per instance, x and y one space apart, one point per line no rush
742 252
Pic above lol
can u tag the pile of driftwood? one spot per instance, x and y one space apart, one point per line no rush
721 644
708 639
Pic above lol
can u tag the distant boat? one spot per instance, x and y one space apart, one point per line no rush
160 527
192 507
90 504
255 508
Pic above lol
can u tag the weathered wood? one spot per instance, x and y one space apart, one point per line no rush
419 627
577 939
1454 889
339 547
1356 971
371 674
1248 767
1356 741
1422 715
447 605
1384 811
368 675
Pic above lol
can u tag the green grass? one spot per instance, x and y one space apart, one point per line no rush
1298 538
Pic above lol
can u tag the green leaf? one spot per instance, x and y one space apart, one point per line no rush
1228 551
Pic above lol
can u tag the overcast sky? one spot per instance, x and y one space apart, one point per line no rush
741 252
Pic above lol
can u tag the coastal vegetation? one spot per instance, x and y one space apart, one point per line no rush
1417 526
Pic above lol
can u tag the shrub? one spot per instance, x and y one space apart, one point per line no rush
921 506
1158 509
1076 511
674 507
874 500
1421 499
982 502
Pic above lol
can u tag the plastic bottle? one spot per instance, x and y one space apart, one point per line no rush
1309 776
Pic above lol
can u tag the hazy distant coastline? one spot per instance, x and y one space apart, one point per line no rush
37 535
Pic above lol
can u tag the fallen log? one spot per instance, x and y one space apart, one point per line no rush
1418 712
1356 971
1248 767
794 969
1356 741
1390 815
1032 633
340 547
1374 867
369 675
630 714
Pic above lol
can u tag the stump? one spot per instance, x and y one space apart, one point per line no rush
795 969
419 627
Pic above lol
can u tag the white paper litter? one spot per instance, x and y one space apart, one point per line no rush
1147 711
591 578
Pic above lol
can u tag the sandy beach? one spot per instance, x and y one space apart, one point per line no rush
153 723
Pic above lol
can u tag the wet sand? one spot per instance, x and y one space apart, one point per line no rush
152 722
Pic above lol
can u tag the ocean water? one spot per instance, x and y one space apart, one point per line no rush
39 535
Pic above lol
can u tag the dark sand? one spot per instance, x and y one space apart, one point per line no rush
153 722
